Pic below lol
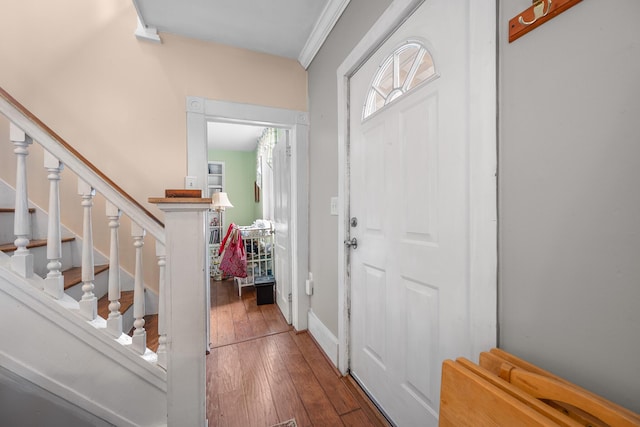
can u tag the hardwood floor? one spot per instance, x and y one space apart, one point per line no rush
260 372
235 319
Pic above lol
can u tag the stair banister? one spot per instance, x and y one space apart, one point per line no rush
25 121
181 260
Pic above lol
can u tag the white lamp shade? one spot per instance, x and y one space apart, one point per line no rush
220 201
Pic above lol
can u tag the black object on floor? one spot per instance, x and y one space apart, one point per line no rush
265 288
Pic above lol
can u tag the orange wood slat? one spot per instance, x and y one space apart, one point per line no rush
537 405
518 29
523 364
466 400
151 326
10 247
126 301
12 210
73 275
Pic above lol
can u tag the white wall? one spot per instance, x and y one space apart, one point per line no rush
20 397
323 153
569 203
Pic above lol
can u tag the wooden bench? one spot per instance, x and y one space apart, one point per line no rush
504 390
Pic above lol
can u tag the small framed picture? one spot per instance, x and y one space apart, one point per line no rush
256 192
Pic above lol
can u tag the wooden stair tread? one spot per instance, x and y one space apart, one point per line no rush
73 275
151 326
12 210
126 301
10 247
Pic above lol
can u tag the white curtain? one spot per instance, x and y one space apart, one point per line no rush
264 170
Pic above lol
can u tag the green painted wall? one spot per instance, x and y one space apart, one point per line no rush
240 176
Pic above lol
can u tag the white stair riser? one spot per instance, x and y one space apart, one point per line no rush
127 320
6 227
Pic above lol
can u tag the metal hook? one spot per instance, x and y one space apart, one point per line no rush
538 12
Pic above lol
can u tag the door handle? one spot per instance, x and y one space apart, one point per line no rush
353 243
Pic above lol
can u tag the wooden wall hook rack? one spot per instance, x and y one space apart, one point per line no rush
540 12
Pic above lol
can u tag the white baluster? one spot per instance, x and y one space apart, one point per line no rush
22 259
114 321
139 343
54 282
161 253
88 302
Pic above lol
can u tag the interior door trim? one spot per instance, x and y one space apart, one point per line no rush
199 111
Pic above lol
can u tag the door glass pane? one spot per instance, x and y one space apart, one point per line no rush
401 71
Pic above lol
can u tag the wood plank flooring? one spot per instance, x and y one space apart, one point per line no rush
261 372
235 319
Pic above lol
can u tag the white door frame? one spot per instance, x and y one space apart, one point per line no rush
200 111
482 173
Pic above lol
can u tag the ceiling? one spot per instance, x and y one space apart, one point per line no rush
289 28
232 136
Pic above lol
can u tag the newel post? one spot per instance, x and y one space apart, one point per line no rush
185 308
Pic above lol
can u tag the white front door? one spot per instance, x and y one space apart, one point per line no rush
410 194
282 219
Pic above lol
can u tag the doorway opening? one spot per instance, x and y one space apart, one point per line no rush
249 183
288 192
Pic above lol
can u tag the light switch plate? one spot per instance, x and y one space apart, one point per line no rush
334 206
190 181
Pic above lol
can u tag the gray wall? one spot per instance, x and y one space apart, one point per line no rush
358 17
569 204
569 199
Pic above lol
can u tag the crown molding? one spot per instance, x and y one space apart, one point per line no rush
325 23
147 33
143 31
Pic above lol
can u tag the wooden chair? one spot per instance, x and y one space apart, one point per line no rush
506 391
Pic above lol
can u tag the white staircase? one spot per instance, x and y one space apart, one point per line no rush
54 339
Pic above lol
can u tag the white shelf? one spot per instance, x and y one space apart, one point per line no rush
215 183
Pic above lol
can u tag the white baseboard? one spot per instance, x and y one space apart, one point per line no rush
323 336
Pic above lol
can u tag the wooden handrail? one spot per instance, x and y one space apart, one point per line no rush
40 132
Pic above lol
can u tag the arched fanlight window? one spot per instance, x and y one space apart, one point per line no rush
407 67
